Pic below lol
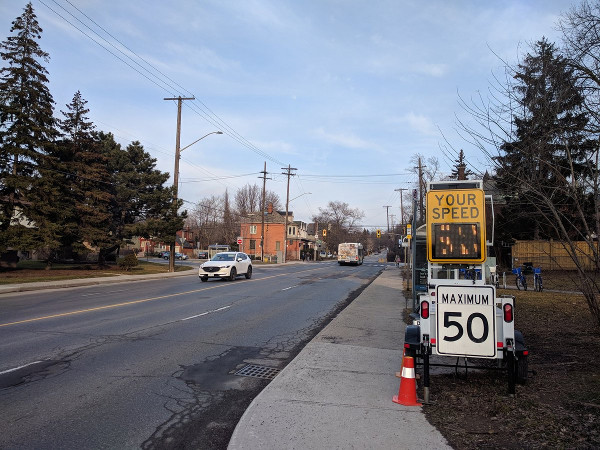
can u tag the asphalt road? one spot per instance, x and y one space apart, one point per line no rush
152 364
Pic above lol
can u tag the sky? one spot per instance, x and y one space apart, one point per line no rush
346 92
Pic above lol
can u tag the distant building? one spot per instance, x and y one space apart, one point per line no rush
296 238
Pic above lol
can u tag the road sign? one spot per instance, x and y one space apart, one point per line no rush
456 226
409 230
239 241
466 321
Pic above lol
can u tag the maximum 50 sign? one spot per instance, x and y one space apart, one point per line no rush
466 321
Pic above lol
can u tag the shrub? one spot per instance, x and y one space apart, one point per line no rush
128 262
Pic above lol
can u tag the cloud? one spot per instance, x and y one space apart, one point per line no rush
419 123
347 140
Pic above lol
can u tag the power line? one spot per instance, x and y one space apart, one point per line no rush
164 82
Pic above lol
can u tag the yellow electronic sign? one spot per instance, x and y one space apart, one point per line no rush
456 226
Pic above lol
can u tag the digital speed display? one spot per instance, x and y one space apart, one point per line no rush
456 226
456 241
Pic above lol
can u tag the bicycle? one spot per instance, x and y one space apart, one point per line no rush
520 281
537 279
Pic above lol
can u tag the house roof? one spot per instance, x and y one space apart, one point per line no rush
274 217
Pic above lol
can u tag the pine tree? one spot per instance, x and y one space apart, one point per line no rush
90 182
27 126
550 140
138 188
460 171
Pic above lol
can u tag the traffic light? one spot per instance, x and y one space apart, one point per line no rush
324 233
378 234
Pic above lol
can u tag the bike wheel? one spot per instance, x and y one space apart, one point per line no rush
518 283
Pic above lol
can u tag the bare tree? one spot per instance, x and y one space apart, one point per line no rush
341 222
206 220
581 45
247 199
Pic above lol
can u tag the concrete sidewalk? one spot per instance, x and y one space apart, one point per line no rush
337 393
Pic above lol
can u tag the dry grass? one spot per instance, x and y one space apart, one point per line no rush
559 406
32 271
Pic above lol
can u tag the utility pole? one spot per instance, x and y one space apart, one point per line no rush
289 174
176 175
401 206
262 230
387 211
316 239
420 167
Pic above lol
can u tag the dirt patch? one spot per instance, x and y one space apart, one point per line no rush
558 407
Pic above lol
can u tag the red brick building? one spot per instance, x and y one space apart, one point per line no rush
274 237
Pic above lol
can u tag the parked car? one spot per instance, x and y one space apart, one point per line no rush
226 265
180 255
202 255
166 255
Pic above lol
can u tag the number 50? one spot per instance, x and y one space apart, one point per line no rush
448 322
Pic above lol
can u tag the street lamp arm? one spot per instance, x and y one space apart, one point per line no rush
212 132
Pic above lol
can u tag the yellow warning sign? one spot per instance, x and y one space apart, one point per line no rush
456 226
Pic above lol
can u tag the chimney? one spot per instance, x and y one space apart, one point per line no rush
270 208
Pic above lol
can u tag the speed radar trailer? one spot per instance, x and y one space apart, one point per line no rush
460 315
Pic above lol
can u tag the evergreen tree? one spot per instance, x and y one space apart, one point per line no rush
139 194
550 140
90 182
460 171
27 126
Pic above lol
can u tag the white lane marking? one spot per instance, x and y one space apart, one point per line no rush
20 367
291 287
205 313
102 293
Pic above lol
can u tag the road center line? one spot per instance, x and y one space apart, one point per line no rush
20 367
144 300
205 313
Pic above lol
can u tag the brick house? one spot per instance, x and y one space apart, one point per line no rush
274 238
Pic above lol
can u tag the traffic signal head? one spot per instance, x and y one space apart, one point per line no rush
378 233
324 233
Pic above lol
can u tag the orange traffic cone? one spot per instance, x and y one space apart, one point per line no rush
399 374
407 395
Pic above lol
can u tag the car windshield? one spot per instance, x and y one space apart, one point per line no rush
224 257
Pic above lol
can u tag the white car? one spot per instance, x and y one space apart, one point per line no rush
226 265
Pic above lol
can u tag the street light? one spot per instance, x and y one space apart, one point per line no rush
176 188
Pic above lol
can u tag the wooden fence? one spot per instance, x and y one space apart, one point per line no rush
553 255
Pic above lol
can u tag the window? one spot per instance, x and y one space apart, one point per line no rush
252 244
252 229
277 245
291 231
